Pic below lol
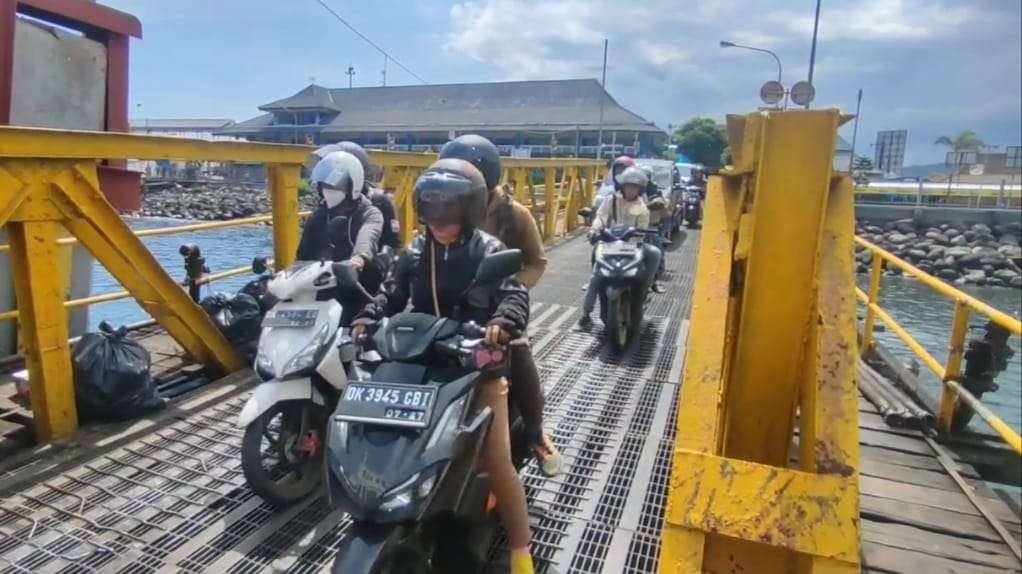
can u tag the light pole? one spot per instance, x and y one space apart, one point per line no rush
726 44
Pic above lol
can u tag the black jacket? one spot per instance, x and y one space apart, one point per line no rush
390 236
351 228
455 267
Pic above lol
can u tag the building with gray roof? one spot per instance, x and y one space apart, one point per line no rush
533 118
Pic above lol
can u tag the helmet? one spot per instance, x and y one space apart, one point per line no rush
319 153
634 175
357 151
451 191
647 169
619 164
478 151
338 175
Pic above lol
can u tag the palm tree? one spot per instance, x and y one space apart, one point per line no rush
967 140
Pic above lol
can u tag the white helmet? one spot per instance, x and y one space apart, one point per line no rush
319 153
633 175
338 175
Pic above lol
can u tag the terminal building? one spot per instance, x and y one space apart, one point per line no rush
526 119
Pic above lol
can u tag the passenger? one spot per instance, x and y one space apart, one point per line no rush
345 226
451 198
657 205
624 208
512 223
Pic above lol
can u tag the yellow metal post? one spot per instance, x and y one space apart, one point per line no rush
573 201
37 285
953 370
764 339
520 182
282 182
550 198
875 271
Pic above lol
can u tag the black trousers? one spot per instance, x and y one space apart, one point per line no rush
526 392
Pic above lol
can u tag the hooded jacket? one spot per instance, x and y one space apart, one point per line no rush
351 228
513 224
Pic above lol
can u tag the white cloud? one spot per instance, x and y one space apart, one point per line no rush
879 20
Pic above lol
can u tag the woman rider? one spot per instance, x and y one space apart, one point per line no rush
450 198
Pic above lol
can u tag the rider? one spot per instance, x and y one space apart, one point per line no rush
450 198
624 208
512 223
345 225
657 205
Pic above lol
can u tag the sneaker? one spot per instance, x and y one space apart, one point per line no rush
550 460
658 288
521 563
585 322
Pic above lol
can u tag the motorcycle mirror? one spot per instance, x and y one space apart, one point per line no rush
259 265
345 274
586 212
497 266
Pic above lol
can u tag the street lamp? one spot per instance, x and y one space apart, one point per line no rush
726 44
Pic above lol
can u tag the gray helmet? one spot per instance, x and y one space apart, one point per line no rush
357 151
451 191
338 176
478 151
634 175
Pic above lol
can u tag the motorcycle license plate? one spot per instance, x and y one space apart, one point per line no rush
620 249
386 404
298 318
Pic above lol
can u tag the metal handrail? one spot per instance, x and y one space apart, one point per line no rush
950 371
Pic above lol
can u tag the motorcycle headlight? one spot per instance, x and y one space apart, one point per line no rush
418 487
307 356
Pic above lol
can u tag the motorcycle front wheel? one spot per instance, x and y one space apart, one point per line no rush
282 452
618 323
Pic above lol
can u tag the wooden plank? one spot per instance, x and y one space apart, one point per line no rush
868 452
922 477
897 442
942 545
888 559
947 500
934 519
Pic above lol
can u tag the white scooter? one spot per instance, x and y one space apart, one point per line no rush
305 359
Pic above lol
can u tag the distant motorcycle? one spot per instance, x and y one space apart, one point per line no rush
693 207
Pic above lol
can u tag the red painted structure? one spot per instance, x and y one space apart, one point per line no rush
106 26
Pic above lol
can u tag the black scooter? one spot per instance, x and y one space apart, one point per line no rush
621 268
403 448
693 206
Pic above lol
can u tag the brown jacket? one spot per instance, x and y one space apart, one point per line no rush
513 224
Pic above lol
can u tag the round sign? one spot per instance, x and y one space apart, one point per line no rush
802 93
771 92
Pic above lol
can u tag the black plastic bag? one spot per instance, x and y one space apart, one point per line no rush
112 380
238 318
257 288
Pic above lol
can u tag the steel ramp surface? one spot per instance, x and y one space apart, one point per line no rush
176 500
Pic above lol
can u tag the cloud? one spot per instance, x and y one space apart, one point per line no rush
882 20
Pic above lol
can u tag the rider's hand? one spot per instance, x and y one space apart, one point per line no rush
357 331
357 263
496 335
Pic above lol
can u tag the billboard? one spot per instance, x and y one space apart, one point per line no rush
1013 157
889 151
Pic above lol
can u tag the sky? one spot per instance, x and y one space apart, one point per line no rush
933 67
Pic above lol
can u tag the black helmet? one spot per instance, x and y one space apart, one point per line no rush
478 151
451 191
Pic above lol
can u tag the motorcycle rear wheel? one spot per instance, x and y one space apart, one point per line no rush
277 434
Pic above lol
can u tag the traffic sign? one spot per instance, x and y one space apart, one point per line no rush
802 93
771 92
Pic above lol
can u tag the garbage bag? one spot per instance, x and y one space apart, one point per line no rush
111 374
238 317
257 288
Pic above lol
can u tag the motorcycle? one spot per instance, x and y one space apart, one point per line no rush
305 359
677 216
403 448
693 207
625 283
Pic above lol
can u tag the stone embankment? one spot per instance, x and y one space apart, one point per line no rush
960 254
212 202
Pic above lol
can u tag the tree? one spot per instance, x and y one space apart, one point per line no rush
702 140
725 156
967 140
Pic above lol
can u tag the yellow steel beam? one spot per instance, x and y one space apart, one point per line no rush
875 272
699 426
71 144
953 366
282 183
101 230
38 289
801 511
550 197
789 197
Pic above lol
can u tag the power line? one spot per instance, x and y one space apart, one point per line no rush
368 41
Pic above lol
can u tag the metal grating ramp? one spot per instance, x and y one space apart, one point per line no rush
175 501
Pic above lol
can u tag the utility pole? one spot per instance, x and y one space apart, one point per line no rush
603 93
855 130
812 52
385 58
351 75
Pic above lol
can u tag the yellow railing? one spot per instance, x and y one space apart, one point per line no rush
934 197
49 184
951 370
